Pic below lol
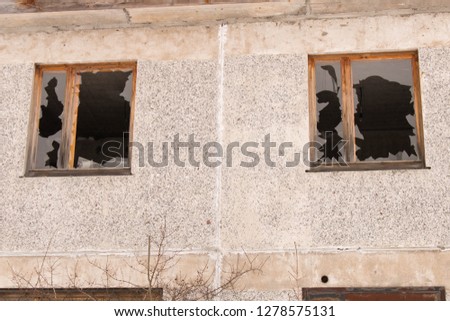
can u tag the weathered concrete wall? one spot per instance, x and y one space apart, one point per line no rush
229 83
312 7
151 15
384 33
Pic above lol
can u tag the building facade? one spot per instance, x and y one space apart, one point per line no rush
232 91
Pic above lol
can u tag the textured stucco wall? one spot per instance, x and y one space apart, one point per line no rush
234 83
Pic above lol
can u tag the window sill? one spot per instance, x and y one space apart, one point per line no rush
78 172
369 166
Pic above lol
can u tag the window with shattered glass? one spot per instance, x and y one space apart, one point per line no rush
82 118
365 111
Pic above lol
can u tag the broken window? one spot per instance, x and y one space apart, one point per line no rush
365 112
82 119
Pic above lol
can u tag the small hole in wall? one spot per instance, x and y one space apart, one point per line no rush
324 279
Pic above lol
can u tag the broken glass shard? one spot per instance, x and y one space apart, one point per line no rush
329 112
50 121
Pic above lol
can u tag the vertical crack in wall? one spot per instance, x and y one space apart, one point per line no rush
308 7
222 38
127 15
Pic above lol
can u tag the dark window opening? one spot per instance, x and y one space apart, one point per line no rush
103 120
384 110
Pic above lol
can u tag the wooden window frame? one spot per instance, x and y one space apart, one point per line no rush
81 294
348 112
71 101
375 294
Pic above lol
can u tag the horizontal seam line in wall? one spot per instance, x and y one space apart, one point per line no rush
326 250
130 253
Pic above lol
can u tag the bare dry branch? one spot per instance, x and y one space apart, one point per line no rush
296 277
155 267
